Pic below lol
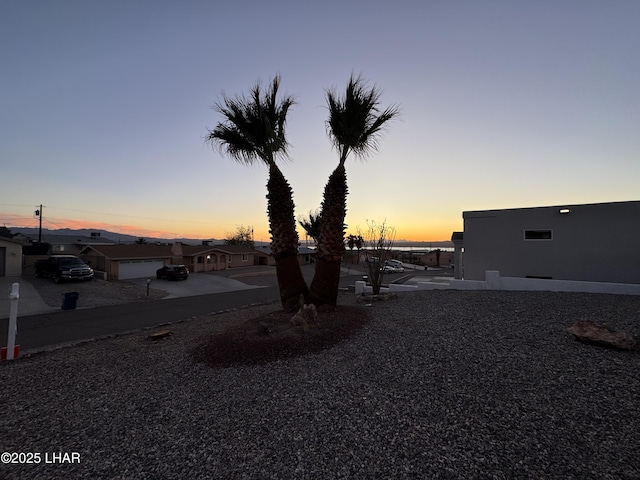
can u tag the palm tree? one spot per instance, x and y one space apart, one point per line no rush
351 242
311 224
354 125
355 241
253 130
359 241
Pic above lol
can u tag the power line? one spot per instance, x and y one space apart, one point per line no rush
121 215
127 216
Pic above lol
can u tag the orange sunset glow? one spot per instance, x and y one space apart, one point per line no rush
418 234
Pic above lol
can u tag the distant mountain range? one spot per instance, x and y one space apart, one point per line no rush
123 238
410 243
105 234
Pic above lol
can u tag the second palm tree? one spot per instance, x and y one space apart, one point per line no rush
354 125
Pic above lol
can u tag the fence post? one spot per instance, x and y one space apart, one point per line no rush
13 320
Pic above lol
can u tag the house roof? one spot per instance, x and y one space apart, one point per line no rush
266 250
76 240
234 249
130 252
151 251
193 250
12 240
476 213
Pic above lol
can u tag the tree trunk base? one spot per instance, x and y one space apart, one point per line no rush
291 283
326 282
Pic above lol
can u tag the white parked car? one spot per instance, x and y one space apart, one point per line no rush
392 269
395 263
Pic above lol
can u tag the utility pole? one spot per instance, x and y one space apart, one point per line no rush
39 215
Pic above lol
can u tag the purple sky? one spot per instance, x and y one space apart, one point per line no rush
504 104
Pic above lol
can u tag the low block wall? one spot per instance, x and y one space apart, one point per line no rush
493 281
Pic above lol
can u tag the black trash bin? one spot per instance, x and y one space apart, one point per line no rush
69 300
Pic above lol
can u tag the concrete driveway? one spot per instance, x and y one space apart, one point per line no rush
196 284
30 301
248 278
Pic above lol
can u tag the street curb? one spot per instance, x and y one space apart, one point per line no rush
60 346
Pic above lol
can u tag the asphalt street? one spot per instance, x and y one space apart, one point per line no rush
45 331
55 328
64 327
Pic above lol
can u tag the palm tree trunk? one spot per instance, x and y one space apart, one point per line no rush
284 240
326 280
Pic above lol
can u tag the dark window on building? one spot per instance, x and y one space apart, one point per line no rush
538 235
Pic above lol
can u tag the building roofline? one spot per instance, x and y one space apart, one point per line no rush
472 213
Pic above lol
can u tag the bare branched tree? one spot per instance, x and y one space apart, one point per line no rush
378 243
242 236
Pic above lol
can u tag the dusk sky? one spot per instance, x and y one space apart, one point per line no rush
504 104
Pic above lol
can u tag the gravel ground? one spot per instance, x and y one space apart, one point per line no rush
96 293
442 384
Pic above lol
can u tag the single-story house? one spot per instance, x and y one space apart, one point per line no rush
236 256
206 258
433 258
264 255
120 262
72 244
588 242
10 257
53 244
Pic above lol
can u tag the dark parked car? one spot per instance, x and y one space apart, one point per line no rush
173 272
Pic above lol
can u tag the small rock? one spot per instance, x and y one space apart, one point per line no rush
307 313
598 334
263 329
381 297
159 335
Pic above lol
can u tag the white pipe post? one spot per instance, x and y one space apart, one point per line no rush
13 320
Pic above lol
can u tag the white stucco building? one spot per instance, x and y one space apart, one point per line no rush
10 257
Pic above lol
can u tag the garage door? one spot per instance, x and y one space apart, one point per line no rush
139 269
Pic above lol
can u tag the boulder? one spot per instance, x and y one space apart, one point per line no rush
598 334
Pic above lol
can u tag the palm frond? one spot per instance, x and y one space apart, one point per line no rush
355 121
311 224
253 127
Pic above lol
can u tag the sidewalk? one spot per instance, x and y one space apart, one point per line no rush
67 327
29 303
